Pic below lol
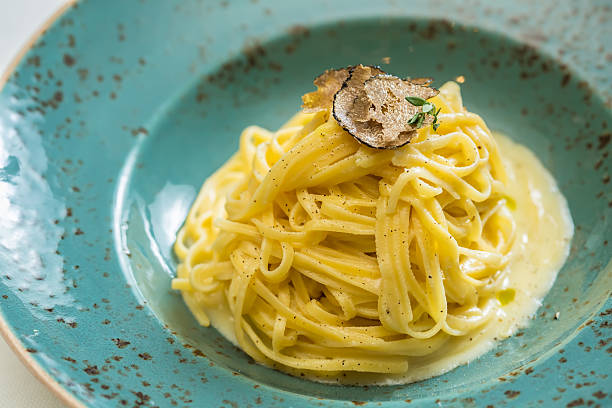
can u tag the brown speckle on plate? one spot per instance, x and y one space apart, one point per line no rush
511 394
69 60
92 370
145 356
121 343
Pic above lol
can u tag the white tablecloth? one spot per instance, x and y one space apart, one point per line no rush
19 19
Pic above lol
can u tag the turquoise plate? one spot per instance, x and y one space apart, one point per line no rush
115 115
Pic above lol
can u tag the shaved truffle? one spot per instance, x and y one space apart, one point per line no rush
425 81
361 73
376 112
328 83
350 97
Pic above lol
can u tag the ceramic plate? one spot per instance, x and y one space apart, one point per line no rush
114 116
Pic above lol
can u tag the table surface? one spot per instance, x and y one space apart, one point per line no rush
19 20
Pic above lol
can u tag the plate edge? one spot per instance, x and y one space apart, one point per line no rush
40 31
11 339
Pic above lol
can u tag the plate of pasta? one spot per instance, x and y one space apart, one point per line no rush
277 204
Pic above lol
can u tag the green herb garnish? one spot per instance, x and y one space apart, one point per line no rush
416 101
428 108
416 118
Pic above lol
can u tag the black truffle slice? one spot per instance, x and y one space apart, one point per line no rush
328 83
425 81
350 103
361 73
351 96
376 112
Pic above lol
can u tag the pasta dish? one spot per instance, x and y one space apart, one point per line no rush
382 235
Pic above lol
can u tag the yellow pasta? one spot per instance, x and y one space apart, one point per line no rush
320 255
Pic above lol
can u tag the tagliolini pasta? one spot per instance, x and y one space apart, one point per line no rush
319 255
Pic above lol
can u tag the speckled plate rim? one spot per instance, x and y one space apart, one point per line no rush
37 370
9 336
